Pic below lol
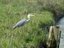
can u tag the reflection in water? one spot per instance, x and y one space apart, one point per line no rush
61 24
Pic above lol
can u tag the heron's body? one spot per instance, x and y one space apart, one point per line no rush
21 22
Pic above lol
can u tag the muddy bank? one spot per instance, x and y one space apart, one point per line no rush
57 14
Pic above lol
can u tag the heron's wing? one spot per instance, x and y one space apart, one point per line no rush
20 23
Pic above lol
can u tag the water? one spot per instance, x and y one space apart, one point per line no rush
61 24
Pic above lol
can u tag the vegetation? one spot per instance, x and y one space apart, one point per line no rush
31 34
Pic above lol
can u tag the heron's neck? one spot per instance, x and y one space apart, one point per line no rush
28 19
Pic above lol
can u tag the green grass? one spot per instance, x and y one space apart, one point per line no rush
31 34
27 36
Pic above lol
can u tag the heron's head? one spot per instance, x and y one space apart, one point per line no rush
29 15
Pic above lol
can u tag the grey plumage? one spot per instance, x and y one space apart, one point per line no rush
22 22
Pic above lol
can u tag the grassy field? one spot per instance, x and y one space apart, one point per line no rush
29 35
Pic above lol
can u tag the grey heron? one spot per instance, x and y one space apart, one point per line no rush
23 21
